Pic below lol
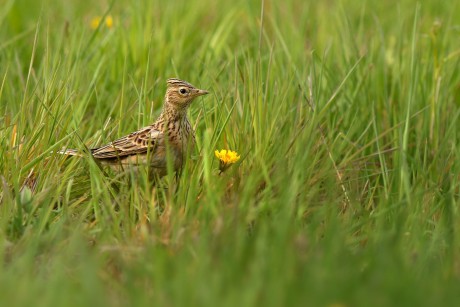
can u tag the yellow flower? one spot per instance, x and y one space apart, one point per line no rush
109 21
227 158
95 22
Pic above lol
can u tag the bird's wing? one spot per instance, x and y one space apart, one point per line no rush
135 143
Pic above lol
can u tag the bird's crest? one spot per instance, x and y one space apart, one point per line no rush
178 82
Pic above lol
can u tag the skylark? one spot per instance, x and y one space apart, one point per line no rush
171 135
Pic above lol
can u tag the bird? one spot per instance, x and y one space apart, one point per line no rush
170 136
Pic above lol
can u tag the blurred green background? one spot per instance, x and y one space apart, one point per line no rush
345 114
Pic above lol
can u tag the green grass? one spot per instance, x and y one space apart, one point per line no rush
346 116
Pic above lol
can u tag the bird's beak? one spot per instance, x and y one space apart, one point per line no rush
201 92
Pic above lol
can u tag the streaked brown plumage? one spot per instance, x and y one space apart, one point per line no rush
148 145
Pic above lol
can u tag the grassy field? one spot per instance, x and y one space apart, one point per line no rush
346 117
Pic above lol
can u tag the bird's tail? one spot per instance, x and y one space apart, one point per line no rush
70 152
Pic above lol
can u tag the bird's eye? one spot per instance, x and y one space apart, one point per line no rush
183 91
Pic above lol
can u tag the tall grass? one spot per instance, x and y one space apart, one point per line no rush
345 114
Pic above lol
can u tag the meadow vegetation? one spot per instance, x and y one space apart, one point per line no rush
345 116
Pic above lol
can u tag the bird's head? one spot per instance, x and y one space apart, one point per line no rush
180 94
